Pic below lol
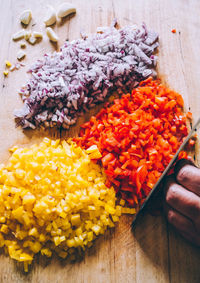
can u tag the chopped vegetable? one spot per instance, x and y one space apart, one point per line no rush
51 34
189 115
32 39
5 73
191 142
26 17
50 17
8 64
27 34
20 55
37 34
71 81
23 45
173 30
137 136
53 198
65 9
18 35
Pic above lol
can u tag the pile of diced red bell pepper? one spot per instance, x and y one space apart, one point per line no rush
137 136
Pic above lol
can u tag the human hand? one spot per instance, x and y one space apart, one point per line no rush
182 200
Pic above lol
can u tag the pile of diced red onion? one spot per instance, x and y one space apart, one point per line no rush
66 83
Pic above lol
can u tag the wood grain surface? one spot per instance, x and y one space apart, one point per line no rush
154 253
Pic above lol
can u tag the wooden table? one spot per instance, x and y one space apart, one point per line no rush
154 253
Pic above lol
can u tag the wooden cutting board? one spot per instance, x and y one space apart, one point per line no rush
154 253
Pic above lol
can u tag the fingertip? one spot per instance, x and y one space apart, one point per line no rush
188 175
181 163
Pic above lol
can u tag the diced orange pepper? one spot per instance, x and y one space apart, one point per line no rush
189 115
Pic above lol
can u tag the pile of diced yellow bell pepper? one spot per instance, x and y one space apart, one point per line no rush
53 198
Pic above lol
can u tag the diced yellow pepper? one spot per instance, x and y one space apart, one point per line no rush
57 240
53 198
42 238
46 252
35 247
4 229
122 202
5 73
110 209
33 232
25 257
8 64
132 211
71 243
2 219
96 229
75 219
90 236
29 199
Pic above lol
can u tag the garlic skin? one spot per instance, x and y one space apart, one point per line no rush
50 17
26 17
65 9
51 34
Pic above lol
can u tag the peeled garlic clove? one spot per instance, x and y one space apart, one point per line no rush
51 35
20 55
65 9
37 34
18 35
50 17
27 34
25 17
32 40
23 45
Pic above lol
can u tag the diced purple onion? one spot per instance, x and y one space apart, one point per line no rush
66 83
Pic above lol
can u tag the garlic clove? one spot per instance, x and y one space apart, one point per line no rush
37 34
25 17
23 45
65 9
50 17
32 40
18 35
27 34
20 55
51 34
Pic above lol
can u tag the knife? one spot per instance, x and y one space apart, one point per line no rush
156 186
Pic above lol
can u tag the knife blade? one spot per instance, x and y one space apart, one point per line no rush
155 188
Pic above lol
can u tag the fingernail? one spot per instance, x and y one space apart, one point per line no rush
181 163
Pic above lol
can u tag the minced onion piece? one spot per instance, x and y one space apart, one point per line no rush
66 83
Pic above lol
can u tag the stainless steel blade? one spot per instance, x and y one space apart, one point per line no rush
153 191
